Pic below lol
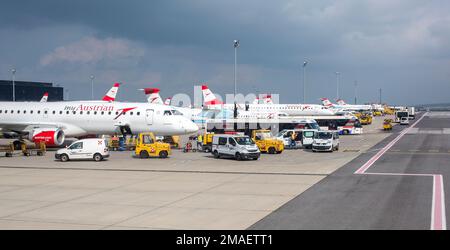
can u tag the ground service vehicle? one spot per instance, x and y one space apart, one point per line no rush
400 114
387 124
93 148
266 142
404 120
365 119
292 138
325 141
377 113
239 147
308 137
147 146
412 113
346 125
206 142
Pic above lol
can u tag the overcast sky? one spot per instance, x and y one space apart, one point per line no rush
401 46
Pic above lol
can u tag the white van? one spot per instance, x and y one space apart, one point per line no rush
239 147
286 136
308 138
404 120
95 149
325 141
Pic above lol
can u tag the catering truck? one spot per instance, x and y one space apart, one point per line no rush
399 114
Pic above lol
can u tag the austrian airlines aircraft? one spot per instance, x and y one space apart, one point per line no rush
342 106
52 121
270 109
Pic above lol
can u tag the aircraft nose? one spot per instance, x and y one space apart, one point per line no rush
190 127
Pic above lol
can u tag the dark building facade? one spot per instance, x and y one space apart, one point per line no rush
30 91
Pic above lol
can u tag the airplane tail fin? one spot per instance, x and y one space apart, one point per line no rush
153 95
167 101
326 102
111 95
44 97
268 99
256 101
208 97
341 102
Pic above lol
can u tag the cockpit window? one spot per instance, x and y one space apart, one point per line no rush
167 112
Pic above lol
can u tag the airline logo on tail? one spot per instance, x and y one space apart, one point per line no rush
44 97
167 101
341 102
326 102
268 99
208 97
153 95
256 101
111 95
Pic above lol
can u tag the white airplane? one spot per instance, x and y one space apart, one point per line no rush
44 97
342 106
52 121
267 109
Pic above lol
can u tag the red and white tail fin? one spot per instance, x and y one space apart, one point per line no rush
208 97
341 102
111 95
256 101
268 99
326 102
44 97
167 101
153 95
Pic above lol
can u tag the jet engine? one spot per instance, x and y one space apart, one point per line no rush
50 136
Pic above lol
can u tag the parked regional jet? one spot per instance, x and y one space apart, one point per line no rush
269 109
342 106
52 121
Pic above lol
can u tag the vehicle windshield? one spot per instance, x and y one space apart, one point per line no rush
167 112
323 135
314 125
244 140
263 135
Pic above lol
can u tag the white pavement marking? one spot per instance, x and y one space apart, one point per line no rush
438 217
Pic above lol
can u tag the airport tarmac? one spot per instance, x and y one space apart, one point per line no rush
400 186
186 191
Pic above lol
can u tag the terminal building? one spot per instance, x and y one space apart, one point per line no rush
29 91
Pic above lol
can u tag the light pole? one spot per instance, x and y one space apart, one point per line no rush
67 94
92 86
337 84
304 80
236 46
380 95
13 71
356 86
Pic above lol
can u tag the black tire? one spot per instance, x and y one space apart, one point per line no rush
163 154
40 153
98 157
271 150
64 158
8 155
255 158
216 154
238 156
143 154
279 152
345 132
337 148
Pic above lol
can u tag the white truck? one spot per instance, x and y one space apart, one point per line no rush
412 113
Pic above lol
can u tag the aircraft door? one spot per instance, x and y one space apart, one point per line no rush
149 116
